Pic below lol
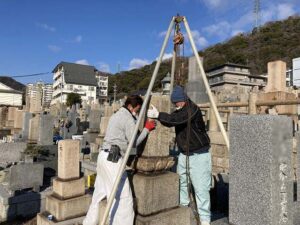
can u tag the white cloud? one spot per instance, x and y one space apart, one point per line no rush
46 27
220 29
137 63
104 67
82 62
165 56
77 39
236 32
54 48
162 33
285 10
213 3
199 40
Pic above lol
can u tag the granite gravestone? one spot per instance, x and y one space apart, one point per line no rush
195 87
46 130
25 129
260 178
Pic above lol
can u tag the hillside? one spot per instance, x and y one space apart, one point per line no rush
274 41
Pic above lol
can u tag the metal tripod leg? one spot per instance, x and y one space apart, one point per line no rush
202 72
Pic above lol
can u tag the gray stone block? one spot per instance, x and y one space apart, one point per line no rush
25 175
176 216
195 87
296 218
25 205
94 119
260 177
156 193
46 130
90 137
25 129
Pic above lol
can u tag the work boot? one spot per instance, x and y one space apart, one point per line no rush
205 223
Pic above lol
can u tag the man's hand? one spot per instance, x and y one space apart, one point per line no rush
153 112
150 125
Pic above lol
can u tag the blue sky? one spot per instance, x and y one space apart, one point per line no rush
36 35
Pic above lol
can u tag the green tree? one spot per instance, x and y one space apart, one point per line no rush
73 98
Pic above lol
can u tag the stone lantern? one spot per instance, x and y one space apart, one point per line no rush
166 84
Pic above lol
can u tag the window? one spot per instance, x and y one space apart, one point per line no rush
71 87
91 88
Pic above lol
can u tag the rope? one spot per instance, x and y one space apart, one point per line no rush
187 161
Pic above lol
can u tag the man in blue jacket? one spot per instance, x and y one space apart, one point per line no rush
194 144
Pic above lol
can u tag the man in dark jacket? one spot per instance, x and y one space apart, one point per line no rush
193 142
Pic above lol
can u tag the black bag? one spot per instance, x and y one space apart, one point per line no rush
114 154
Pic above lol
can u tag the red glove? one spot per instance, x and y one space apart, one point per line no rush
150 125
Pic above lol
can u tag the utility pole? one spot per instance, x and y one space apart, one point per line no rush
115 92
119 67
257 14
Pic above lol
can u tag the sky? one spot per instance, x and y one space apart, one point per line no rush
36 35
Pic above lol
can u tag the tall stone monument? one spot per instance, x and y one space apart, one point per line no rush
68 203
46 130
260 177
195 87
276 89
33 133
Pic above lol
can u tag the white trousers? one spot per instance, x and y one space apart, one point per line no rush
122 210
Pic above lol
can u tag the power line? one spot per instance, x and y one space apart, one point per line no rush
32 75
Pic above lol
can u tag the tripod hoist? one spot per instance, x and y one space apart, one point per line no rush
177 41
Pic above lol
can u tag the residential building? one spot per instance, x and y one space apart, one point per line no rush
11 92
74 78
40 90
102 89
47 95
229 75
289 77
296 72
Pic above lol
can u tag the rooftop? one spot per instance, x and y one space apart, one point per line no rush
227 64
12 83
78 74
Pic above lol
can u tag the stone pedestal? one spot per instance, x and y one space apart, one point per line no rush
178 216
156 193
68 201
261 185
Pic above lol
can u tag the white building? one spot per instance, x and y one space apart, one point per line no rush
47 95
40 90
74 78
296 72
102 89
10 92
